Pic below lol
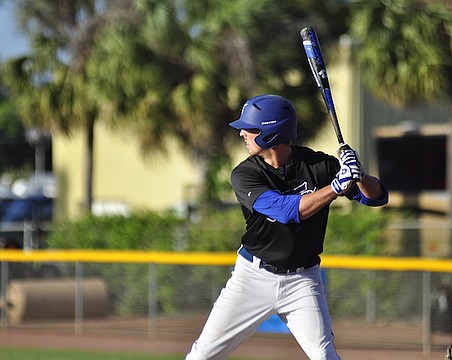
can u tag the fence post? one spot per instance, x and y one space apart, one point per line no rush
371 297
27 235
152 298
78 311
426 312
4 295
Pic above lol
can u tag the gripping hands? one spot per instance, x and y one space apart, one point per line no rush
349 157
351 170
343 180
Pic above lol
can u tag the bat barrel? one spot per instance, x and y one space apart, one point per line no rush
314 55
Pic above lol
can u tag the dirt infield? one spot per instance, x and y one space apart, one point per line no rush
354 340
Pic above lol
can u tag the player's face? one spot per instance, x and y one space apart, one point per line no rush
248 136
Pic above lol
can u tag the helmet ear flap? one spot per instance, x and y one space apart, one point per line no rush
269 138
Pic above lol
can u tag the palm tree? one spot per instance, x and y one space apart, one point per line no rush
184 68
405 48
50 85
172 68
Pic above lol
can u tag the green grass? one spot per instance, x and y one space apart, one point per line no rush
45 354
52 354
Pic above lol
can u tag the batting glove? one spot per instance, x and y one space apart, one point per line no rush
343 181
350 157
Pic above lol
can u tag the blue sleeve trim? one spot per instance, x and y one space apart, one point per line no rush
282 208
371 202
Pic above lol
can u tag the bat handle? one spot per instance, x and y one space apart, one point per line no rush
342 147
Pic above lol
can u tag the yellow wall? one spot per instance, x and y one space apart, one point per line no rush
121 174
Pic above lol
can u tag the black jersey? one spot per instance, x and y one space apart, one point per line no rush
289 245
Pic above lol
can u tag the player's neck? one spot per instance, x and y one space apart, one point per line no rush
279 156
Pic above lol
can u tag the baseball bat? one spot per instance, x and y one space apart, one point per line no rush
314 55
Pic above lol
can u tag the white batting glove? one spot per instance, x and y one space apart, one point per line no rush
349 157
343 181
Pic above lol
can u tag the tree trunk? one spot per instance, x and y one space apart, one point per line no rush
89 160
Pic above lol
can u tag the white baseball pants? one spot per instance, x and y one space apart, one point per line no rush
251 296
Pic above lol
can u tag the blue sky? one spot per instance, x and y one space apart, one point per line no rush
12 42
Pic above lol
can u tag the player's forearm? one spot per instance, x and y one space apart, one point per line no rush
371 188
313 202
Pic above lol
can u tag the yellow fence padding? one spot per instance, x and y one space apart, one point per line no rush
220 259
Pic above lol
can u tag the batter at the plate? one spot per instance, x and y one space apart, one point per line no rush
285 192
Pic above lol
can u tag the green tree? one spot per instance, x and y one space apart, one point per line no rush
405 48
10 122
184 68
50 85
172 68
11 130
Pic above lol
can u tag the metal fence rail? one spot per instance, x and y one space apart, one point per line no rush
156 285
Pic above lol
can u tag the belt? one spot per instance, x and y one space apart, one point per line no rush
274 269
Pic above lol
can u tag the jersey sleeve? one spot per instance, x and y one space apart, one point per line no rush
282 208
248 184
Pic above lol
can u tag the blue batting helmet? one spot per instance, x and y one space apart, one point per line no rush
273 115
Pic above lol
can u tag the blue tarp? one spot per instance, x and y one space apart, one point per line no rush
273 325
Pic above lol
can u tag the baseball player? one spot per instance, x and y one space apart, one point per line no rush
284 192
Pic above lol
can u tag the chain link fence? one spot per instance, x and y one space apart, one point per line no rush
146 297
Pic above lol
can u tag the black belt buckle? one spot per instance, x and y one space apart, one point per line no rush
274 269
282 271
277 270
